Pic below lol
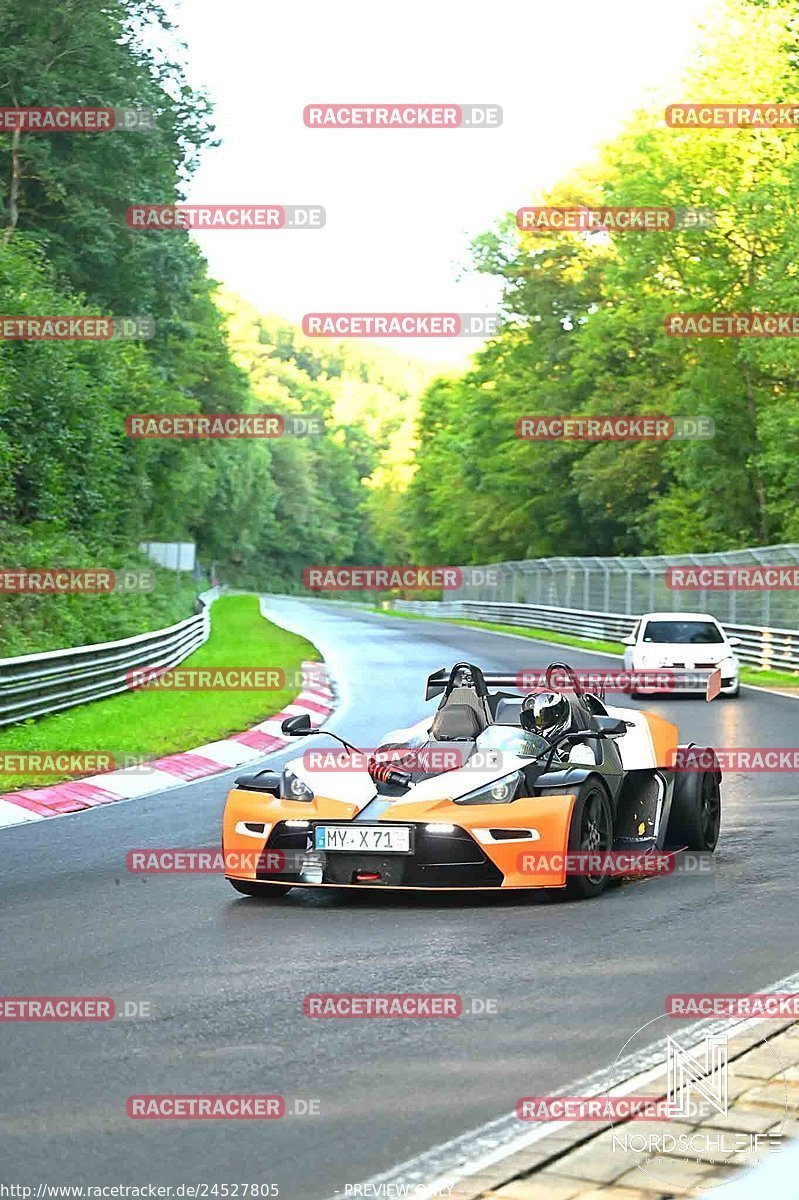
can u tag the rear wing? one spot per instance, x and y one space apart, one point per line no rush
443 680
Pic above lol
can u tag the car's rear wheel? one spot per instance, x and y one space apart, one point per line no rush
695 818
591 832
265 891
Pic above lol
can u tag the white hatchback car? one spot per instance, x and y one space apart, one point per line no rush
689 642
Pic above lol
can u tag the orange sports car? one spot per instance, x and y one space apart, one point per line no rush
493 790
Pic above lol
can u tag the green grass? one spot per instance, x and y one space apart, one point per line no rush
766 678
151 723
751 675
30 624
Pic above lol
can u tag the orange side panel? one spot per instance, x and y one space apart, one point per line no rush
665 737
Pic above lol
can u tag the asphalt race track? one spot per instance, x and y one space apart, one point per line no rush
225 976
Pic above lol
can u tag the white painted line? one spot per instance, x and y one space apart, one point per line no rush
295 709
228 753
272 727
429 1174
128 784
15 814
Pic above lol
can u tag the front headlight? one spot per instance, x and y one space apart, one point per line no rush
292 788
500 791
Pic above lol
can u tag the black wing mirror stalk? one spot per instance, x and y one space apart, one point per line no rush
300 726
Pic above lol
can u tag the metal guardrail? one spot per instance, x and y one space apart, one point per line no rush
760 647
34 685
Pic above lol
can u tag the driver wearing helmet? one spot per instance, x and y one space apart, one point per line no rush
550 715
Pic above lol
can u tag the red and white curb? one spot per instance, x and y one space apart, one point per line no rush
35 804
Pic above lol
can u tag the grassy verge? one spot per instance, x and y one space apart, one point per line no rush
750 675
152 723
30 624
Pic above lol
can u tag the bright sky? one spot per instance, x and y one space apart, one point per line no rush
402 205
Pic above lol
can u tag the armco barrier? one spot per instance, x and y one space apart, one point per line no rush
37 684
760 647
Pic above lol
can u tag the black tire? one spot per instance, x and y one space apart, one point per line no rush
695 818
731 695
591 830
264 891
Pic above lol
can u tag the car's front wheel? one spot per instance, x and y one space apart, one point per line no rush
265 891
591 832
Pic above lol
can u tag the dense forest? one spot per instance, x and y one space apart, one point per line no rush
584 334
74 489
408 468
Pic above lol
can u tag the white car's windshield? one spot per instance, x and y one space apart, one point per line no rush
688 632
513 739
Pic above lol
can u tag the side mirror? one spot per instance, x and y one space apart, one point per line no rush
611 726
297 726
628 641
735 641
261 781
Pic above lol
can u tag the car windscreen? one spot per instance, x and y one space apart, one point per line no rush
688 632
513 740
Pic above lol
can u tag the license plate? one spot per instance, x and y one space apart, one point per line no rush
383 839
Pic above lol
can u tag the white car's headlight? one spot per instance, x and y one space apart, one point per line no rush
500 791
292 788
